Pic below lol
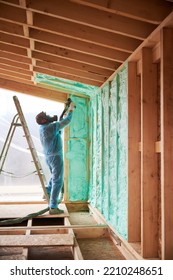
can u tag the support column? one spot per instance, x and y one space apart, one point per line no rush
149 166
134 172
167 142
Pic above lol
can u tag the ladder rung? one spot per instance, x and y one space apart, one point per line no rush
17 124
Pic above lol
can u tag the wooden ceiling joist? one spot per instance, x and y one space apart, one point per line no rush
13 49
72 55
86 40
152 11
102 20
16 64
77 72
14 57
11 28
71 64
15 69
14 40
33 90
83 47
85 33
69 77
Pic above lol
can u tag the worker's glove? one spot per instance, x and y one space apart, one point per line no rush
72 106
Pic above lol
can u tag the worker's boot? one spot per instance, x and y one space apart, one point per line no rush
55 211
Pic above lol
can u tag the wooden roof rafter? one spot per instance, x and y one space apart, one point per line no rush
84 41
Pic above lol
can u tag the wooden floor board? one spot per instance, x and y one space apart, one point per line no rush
36 240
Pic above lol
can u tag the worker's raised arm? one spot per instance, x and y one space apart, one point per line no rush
64 122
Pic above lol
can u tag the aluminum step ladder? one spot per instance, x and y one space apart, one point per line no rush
19 120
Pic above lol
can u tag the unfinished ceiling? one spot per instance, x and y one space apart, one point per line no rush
83 41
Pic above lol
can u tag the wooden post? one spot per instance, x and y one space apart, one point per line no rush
149 166
167 142
134 189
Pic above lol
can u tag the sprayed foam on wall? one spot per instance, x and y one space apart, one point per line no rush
67 85
77 155
98 147
108 181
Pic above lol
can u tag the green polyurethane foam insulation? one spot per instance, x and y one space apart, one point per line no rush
66 85
108 160
97 146
77 154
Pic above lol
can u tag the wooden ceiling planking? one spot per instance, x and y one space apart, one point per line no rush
82 40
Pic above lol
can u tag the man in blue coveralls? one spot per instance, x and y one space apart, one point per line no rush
50 136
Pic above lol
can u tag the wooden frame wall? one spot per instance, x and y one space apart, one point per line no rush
143 67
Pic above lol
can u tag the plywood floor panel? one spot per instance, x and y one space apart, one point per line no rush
22 210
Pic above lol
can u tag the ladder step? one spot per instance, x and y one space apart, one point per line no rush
17 124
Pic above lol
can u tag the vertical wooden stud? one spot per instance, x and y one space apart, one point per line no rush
167 142
134 189
149 166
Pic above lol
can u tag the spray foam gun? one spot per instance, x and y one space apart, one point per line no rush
67 105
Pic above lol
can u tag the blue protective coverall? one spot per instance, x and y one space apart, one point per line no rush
50 137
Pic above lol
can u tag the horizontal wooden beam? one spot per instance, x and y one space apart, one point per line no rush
92 17
12 14
62 41
85 33
71 64
14 63
15 57
83 47
11 28
76 56
154 11
14 40
72 29
15 69
16 78
66 76
13 49
46 227
67 70
13 73
33 90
